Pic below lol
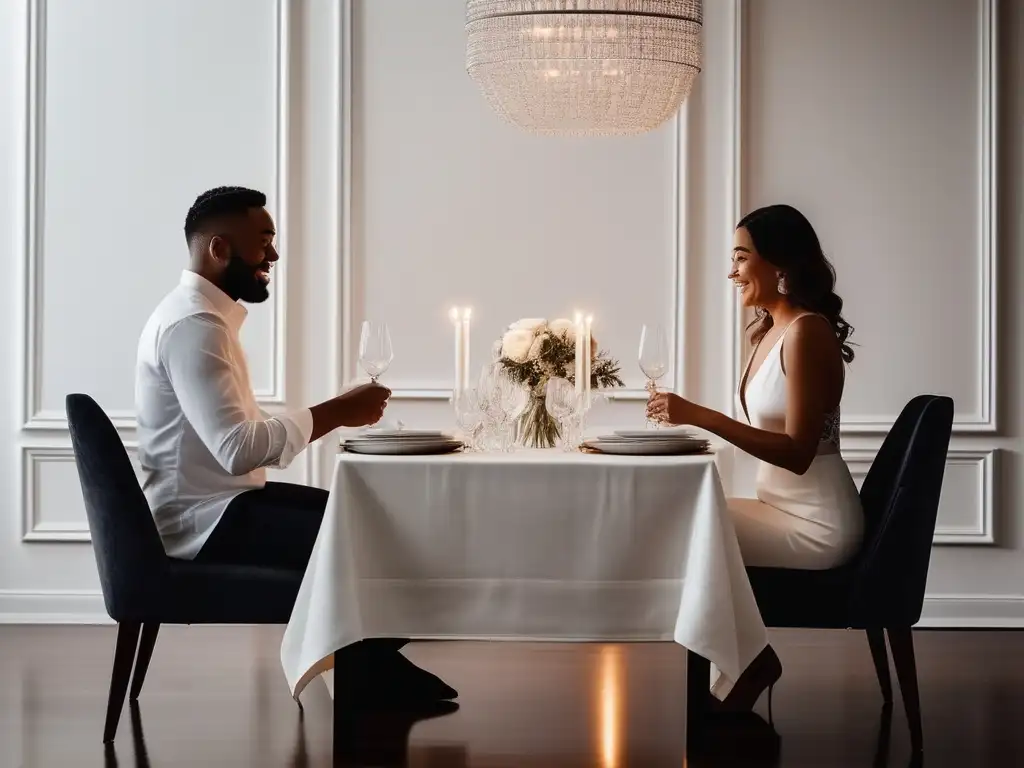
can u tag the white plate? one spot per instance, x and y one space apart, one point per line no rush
395 439
403 447
402 434
646 448
655 434
651 439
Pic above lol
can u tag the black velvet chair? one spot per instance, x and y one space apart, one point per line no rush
882 590
142 587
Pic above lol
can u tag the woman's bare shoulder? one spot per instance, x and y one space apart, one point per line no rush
811 339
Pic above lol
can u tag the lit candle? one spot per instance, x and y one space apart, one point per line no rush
578 373
588 362
458 386
465 346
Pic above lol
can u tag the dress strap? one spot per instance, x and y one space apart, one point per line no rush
790 325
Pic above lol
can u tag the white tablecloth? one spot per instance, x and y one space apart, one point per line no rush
533 545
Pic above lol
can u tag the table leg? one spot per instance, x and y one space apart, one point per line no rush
698 697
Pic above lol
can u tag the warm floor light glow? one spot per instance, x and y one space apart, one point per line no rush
612 705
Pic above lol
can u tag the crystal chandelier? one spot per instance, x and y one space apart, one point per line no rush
584 67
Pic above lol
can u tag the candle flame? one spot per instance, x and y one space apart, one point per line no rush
454 313
466 313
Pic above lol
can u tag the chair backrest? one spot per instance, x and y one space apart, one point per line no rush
129 554
900 496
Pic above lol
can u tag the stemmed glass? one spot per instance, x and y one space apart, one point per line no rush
502 402
561 401
375 352
653 359
469 416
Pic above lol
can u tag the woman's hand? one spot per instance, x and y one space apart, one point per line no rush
670 408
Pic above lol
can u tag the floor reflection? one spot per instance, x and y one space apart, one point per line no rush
383 738
748 740
364 739
211 700
299 757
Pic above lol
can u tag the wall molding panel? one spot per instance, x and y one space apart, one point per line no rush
344 305
733 203
32 459
985 420
33 415
983 466
31 463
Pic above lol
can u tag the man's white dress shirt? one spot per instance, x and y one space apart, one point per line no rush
202 437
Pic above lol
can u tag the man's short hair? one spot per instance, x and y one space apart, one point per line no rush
221 201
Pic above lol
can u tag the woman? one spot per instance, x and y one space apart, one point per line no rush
807 513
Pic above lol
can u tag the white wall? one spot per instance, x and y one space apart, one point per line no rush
869 116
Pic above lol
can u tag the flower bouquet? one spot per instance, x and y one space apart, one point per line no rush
533 351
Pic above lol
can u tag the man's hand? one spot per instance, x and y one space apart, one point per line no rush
363 405
358 407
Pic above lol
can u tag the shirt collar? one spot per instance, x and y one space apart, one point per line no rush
230 309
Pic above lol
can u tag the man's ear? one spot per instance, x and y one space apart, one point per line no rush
219 248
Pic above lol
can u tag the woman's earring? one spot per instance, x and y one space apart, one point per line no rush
782 285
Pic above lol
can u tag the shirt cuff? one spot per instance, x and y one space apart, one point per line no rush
298 427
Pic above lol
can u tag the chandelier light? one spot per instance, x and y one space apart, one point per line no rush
584 67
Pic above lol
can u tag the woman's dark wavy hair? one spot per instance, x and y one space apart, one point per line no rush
785 238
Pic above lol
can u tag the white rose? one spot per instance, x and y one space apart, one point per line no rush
532 324
536 346
515 345
560 326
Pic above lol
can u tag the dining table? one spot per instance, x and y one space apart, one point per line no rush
526 545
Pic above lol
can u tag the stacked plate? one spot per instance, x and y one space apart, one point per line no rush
671 441
402 442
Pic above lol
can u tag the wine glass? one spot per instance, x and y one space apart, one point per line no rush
375 352
562 402
653 358
470 418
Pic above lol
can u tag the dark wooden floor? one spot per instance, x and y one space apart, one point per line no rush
216 697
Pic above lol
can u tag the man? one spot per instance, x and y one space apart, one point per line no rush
204 443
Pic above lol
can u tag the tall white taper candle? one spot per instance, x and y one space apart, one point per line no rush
588 362
465 347
578 372
458 385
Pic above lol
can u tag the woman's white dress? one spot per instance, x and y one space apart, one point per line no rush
812 521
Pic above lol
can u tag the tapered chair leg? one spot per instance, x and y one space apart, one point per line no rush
876 642
124 657
901 641
146 645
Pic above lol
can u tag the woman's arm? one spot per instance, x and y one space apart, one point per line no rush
808 354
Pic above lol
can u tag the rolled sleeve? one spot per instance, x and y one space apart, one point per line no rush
197 354
298 427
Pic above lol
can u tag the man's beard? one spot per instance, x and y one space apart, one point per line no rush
241 283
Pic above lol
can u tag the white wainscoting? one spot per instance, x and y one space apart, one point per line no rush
983 418
397 193
72 126
969 493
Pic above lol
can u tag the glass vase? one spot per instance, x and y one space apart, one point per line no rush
536 428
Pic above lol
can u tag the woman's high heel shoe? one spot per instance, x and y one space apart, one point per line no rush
763 672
